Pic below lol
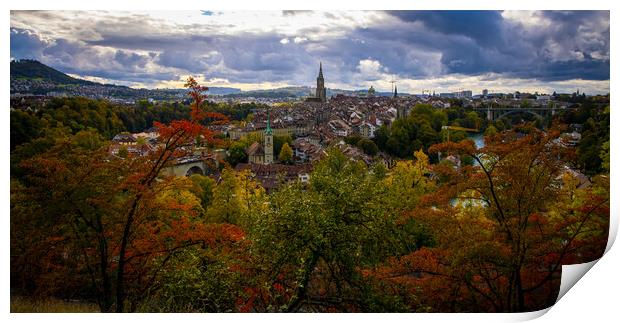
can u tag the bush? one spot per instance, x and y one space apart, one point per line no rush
368 146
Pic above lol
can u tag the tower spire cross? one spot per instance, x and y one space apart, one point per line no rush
321 93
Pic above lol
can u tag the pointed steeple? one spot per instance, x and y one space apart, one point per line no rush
395 91
268 129
321 93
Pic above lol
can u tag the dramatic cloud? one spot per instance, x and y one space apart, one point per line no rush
26 44
421 50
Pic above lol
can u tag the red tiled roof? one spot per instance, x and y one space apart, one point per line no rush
255 149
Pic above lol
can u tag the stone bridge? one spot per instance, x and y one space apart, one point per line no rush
498 113
188 166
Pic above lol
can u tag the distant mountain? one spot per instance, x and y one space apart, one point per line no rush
283 92
222 90
35 70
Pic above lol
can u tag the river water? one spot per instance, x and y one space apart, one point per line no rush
478 138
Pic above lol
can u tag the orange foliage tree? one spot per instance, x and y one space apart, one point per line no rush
503 227
102 216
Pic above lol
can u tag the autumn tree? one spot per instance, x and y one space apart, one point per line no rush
106 208
203 189
313 242
60 213
141 184
286 154
236 194
228 206
501 235
279 141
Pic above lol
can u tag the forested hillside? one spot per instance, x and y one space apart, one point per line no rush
32 69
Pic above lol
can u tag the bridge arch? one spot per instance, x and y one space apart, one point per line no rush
194 170
190 166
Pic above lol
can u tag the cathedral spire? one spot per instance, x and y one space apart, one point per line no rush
395 91
321 92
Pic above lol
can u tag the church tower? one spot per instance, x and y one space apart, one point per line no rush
268 142
321 93
395 91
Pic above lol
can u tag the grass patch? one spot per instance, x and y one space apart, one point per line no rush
20 304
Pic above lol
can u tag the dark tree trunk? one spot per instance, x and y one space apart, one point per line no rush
120 292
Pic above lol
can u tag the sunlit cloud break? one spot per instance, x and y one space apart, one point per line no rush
422 50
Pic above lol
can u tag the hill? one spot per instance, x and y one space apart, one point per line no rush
31 77
35 70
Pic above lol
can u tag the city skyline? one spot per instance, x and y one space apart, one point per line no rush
445 51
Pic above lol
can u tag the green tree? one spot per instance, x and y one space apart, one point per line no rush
279 141
605 157
594 135
88 139
25 127
286 154
419 129
379 170
473 120
203 189
236 153
228 206
381 137
368 146
312 241
490 131
352 139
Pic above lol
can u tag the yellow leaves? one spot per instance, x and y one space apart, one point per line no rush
421 160
236 194
175 194
247 188
407 181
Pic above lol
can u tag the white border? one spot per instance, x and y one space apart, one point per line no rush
594 297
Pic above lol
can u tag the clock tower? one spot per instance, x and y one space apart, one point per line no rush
268 142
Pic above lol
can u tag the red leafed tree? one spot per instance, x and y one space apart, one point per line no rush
503 227
173 139
99 217
64 235
196 93
198 113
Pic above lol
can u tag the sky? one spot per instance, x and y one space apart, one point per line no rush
441 51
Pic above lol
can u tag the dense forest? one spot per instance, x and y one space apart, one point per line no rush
420 236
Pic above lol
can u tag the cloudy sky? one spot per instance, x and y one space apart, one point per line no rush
420 50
